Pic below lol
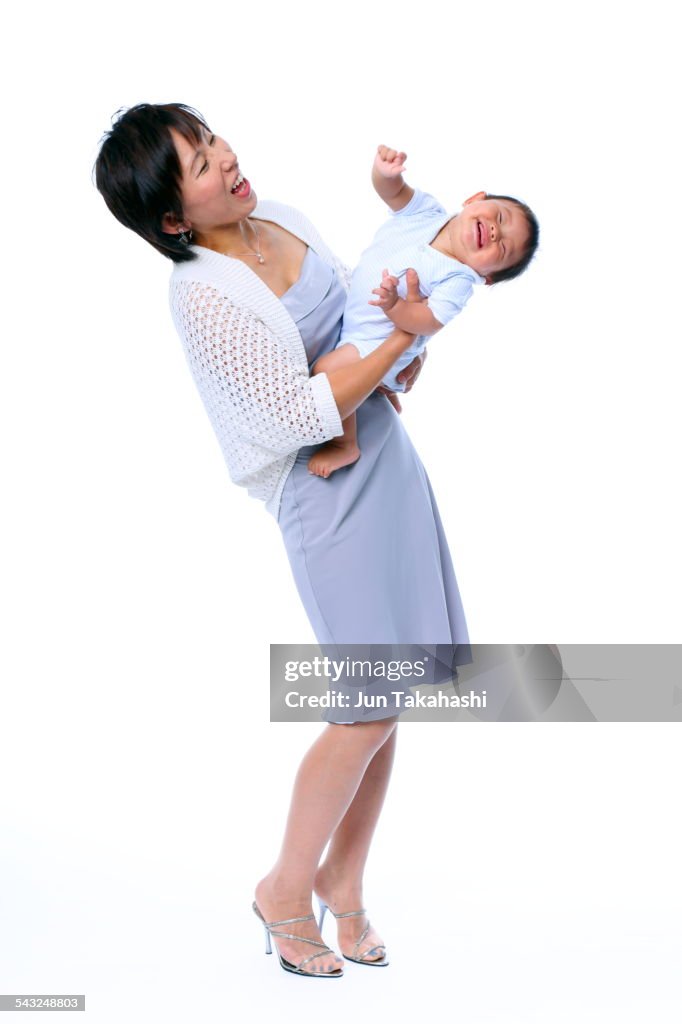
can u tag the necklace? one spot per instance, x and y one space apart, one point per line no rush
254 252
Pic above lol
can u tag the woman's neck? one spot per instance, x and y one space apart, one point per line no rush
230 239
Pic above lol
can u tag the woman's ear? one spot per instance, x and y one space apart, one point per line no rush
171 225
475 199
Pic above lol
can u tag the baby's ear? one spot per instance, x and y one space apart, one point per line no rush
475 199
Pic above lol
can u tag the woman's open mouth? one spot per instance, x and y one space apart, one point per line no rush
241 187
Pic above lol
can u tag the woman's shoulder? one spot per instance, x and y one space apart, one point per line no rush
213 288
290 218
229 276
211 279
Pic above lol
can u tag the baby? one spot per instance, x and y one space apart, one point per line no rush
493 238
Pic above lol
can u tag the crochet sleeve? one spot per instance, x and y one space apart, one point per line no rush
256 393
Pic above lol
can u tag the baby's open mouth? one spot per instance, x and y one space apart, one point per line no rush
241 185
479 233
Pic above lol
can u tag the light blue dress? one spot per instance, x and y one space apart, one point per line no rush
366 545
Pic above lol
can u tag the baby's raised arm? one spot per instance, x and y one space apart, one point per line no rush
387 178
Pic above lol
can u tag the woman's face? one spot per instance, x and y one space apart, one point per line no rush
214 191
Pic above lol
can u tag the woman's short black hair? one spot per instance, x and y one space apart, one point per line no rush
138 172
531 245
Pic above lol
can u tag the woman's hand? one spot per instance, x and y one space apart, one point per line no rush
410 373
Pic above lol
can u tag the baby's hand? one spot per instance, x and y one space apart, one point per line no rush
387 292
389 163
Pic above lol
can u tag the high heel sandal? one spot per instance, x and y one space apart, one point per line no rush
286 964
379 962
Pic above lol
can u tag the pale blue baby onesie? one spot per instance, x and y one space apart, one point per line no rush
400 243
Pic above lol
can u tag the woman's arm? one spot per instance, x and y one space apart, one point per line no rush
352 384
255 389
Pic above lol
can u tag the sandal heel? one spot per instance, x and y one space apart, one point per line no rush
323 911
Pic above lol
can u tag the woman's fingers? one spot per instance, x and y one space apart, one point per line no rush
409 375
391 395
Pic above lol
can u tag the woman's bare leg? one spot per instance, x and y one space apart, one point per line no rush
339 879
344 450
326 783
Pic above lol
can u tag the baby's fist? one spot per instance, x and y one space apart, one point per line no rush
389 162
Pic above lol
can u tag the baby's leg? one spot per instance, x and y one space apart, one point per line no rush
340 451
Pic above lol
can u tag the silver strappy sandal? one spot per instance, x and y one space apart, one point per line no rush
296 968
379 962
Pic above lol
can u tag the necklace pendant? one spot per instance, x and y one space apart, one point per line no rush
260 259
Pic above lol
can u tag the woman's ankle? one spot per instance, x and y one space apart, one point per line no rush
277 888
338 880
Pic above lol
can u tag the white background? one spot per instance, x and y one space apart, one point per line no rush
520 873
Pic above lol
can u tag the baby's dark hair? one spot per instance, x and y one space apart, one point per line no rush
138 171
531 246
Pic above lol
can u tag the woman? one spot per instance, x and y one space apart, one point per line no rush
257 298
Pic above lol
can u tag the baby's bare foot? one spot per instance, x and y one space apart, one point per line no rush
331 457
274 906
342 897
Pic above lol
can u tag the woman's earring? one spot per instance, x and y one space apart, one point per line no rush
184 238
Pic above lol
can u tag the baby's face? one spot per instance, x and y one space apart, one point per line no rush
489 234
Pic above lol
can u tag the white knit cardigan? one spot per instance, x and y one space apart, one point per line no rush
249 363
